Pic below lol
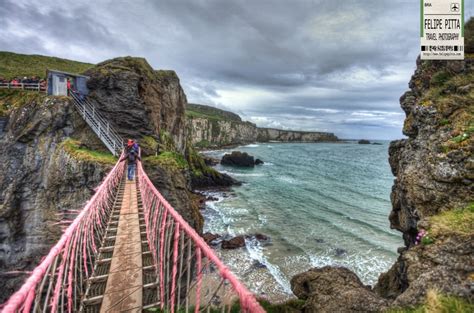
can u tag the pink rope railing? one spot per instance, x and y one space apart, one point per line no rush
190 274
59 282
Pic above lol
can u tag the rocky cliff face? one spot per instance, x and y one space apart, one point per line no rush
209 127
433 193
38 180
206 133
434 172
271 134
139 101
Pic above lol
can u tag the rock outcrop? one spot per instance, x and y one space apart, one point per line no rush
209 127
140 102
318 286
39 179
233 243
237 158
434 170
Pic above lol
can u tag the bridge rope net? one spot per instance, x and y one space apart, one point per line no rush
188 275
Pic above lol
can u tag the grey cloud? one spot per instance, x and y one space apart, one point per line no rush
301 64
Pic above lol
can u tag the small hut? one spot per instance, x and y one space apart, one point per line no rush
57 83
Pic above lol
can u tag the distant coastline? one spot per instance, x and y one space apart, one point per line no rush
212 128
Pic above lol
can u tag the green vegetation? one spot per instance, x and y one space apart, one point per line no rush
149 143
11 99
457 221
448 92
166 141
20 65
140 65
210 113
197 164
438 303
440 78
427 240
166 74
168 159
469 36
80 152
444 122
202 144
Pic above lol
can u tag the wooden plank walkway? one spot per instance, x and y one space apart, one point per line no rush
124 285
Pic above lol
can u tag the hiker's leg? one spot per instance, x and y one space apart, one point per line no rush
133 170
130 169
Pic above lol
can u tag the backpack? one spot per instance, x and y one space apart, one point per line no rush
132 157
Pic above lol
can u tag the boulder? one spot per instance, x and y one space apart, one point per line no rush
237 158
258 162
234 243
261 237
209 161
211 198
335 289
364 142
210 237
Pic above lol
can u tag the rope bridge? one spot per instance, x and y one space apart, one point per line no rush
129 250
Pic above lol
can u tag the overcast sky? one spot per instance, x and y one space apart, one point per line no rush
324 65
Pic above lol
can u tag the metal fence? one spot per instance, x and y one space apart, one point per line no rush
25 86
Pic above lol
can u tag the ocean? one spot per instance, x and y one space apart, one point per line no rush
320 204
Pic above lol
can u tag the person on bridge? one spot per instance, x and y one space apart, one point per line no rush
131 156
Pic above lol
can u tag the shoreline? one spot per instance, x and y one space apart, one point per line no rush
231 146
228 193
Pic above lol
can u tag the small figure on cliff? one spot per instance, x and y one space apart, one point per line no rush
68 84
131 156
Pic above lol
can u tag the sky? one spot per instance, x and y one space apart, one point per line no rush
322 65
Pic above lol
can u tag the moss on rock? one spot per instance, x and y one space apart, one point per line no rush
79 152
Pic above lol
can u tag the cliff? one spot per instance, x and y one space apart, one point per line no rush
432 204
433 189
271 134
43 173
209 127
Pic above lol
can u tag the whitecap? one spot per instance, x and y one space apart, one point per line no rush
255 251
287 179
247 174
252 146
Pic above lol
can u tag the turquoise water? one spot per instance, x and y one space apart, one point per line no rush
321 204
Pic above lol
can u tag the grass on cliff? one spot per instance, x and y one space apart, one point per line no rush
140 65
438 303
210 113
20 65
457 221
11 99
79 152
197 165
168 159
